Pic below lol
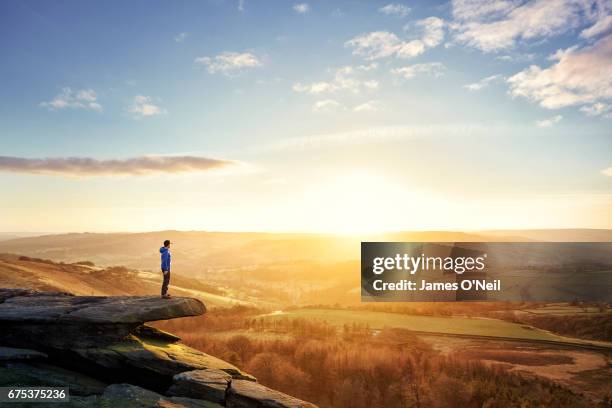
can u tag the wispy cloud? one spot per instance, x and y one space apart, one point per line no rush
229 63
143 106
241 6
498 25
395 9
550 122
326 105
435 69
483 83
180 37
598 109
369 106
382 135
347 78
384 44
86 166
74 99
580 76
301 8
607 172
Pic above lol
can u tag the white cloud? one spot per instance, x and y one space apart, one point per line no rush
384 44
374 45
433 31
229 63
580 76
395 9
607 172
143 107
494 26
598 109
241 6
347 78
435 69
550 122
180 37
74 99
326 105
370 106
483 83
301 8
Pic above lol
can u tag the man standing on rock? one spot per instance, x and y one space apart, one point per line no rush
165 267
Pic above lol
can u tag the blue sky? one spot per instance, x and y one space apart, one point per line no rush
326 116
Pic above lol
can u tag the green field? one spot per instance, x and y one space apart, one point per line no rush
434 324
566 310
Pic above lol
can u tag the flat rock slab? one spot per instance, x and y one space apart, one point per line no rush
248 394
159 357
131 396
12 354
208 384
54 307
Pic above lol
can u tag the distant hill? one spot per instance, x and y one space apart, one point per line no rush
198 250
5 236
560 235
223 268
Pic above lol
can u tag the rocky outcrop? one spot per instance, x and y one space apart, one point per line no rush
211 384
247 394
101 348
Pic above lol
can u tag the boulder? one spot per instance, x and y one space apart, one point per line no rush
208 384
248 394
131 396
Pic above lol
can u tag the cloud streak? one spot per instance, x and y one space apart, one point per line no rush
87 166
483 83
434 69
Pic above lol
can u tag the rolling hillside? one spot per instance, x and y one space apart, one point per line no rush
84 278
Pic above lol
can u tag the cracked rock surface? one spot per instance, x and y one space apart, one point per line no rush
102 350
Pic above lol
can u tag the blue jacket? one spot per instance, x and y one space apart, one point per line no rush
165 258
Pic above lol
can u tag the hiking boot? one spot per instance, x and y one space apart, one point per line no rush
166 296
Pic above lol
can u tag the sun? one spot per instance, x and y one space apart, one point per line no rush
359 202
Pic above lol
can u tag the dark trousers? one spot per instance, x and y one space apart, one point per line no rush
166 283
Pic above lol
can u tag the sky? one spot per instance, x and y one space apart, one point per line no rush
343 116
